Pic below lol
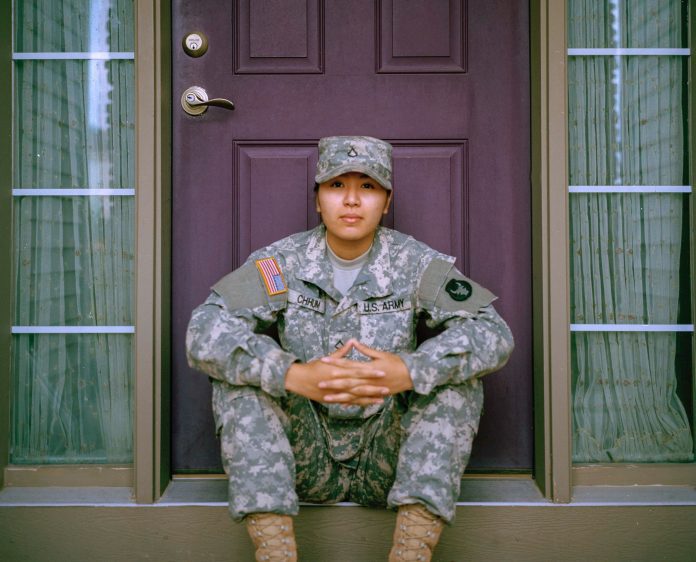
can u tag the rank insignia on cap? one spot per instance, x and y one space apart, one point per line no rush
272 277
458 289
352 152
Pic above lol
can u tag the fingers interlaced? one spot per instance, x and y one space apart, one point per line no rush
349 399
354 392
348 368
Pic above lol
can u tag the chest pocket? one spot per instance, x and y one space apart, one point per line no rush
303 326
388 323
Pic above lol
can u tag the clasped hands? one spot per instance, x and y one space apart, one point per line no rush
337 380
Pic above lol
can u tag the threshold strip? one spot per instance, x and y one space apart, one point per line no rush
543 503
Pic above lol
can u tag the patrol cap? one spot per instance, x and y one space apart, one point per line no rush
370 156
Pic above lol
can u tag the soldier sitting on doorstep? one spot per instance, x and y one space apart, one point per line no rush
347 407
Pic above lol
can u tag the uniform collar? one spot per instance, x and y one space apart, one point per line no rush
315 266
374 279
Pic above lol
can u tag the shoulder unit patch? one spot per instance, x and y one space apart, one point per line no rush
272 276
458 289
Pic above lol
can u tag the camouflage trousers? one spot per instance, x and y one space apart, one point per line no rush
279 451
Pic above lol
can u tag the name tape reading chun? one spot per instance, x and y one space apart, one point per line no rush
313 303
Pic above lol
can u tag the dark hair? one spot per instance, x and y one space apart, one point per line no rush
316 187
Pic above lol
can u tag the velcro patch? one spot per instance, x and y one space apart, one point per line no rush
387 305
313 303
272 276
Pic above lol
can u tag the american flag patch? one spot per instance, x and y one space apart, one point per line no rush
272 277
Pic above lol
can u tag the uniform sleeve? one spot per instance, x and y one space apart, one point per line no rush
222 339
474 340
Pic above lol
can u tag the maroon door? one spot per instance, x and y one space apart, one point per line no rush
446 81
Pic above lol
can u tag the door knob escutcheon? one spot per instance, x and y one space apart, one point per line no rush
195 101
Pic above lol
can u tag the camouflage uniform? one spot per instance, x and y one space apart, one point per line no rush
278 447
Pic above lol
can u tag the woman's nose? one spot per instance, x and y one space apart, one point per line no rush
352 197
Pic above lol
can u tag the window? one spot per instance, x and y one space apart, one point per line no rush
74 232
632 380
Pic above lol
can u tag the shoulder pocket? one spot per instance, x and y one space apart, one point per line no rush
245 288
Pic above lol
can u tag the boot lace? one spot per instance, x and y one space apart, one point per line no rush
416 535
273 538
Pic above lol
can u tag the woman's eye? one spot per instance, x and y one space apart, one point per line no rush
336 184
368 186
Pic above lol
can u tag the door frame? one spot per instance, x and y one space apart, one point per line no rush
549 250
153 71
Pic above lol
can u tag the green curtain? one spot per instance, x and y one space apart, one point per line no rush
72 394
626 127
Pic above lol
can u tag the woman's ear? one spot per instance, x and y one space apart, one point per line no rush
316 197
388 203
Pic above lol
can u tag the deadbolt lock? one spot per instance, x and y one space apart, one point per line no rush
195 44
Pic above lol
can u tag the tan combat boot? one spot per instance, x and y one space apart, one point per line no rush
273 536
416 534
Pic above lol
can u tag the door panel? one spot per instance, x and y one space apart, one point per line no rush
445 81
278 36
404 47
275 194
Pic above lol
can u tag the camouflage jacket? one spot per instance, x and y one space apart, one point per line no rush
402 281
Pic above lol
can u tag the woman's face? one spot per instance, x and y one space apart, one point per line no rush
351 206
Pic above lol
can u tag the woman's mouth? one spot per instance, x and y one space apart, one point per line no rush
350 219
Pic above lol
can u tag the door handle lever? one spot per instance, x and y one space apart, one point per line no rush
195 101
